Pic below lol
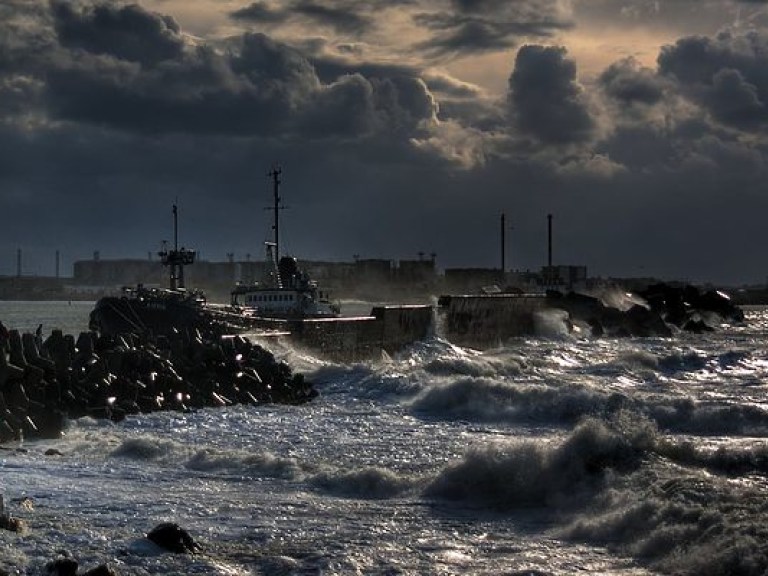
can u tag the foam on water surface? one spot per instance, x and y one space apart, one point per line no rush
546 455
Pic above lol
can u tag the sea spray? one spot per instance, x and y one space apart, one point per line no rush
552 323
680 521
530 473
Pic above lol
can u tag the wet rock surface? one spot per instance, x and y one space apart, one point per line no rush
668 308
66 565
172 537
43 382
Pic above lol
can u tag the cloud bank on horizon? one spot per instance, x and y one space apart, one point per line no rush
403 126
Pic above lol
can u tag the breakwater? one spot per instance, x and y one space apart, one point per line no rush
389 328
353 338
44 382
488 319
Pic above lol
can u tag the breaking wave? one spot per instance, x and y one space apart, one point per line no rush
369 483
262 464
534 474
683 524
484 399
146 448
622 485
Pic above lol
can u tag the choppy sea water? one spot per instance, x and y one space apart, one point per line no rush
547 455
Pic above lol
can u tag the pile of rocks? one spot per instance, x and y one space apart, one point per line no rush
669 308
44 382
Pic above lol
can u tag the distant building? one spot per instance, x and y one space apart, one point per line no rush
470 280
122 272
416 270
374 270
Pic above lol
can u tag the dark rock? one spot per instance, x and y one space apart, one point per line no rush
668 306
173 537
11 523
42 384
678 304
697 327
62 567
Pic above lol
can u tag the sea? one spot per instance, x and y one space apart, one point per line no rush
553 454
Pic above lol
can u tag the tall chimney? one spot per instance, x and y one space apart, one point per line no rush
503 245
549 240
57 263
18 262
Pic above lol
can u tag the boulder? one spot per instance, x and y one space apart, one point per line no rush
62 567
173 538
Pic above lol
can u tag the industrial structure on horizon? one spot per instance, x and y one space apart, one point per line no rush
370 278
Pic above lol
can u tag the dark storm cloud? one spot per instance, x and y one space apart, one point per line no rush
261 13
328 68
727 74
477 26
545 99
354 105
126 32
629 83
637 186
467 35
345 19
149 82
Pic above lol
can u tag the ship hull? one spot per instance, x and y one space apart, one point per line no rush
113 315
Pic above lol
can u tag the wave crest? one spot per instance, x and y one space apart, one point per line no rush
533 474
262 464
369 483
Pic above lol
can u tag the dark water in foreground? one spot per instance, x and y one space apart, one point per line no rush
548 455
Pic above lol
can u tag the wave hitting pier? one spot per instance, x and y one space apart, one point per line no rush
488 319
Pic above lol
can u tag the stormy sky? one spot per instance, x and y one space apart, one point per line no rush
401 126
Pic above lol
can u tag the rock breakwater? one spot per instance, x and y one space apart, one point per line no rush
44 382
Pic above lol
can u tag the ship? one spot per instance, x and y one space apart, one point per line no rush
288 306
161 311
289 302
287 292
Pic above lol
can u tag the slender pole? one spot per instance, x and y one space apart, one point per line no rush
549 242
175 227
275 174
177 270
57 263
503 245
18 262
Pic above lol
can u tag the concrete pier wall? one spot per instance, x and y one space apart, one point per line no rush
488 320
388 328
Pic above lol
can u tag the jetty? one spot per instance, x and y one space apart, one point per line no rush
45 382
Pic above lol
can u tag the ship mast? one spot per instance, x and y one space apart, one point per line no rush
176 259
